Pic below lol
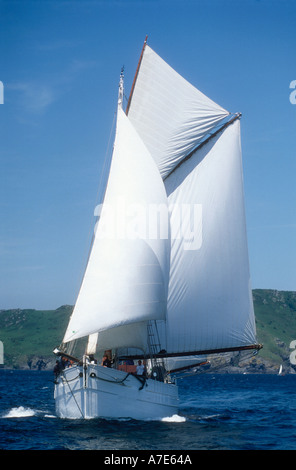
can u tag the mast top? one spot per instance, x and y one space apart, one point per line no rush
120 92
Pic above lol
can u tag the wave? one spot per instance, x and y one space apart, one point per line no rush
174 419
168 419
19 412
22 412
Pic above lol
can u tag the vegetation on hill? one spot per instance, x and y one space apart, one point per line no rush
29 336
275 313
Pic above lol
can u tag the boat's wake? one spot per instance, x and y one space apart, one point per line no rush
167 419
174 419
22 412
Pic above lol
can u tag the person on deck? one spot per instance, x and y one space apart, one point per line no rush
57 369
106 361
140 368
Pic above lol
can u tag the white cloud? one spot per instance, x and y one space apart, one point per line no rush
35 97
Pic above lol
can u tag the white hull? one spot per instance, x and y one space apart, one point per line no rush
109 393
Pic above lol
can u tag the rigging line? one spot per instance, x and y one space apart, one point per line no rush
106 159
119 382
190 366
136 76
97 197
100 186
74 378
204 142
73 396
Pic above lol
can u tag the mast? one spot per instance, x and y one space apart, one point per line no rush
120 92
136 76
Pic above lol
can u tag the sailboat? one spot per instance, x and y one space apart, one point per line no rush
167 280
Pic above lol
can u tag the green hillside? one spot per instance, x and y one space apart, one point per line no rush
29 336
275 313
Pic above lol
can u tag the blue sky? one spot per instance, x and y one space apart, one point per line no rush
60 63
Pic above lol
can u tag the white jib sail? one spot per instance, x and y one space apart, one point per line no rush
126 279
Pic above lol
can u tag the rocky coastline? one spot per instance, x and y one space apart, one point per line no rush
256 365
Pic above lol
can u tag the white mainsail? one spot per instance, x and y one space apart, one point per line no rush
210 305
210 283
170 152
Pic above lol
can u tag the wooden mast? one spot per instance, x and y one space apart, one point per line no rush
136 76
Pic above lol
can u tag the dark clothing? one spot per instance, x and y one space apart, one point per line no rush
57 369
107 363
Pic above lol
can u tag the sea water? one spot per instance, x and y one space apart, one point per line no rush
217 412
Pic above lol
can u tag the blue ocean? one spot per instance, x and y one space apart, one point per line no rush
217 412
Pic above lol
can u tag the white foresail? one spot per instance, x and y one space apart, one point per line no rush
133 335
170 115
126 279
92 343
